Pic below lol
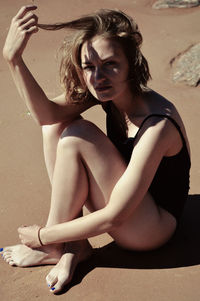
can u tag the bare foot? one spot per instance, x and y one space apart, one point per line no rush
63 272
23 256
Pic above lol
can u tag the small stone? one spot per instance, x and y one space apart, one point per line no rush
175 3
186 66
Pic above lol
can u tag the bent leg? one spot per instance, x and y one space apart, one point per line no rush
148 227
81 136
60 211
21 255
103 165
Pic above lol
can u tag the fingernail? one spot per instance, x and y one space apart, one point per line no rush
1 249
48 285
53 288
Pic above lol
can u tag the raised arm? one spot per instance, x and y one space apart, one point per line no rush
43 110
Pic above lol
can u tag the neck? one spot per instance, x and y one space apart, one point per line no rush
130 105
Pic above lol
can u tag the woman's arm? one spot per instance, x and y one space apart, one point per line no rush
44 111
153 143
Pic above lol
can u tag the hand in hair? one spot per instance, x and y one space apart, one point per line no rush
23 25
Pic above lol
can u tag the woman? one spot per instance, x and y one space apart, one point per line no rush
135 181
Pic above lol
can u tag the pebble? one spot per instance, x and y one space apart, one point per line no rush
175 3
186 66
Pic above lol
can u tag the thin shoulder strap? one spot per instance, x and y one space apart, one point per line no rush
164 116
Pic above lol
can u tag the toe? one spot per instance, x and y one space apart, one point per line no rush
51 280
7 255
4 253
57 287
7 258
11 262
62 281
7 249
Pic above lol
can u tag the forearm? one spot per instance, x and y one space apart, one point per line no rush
34 97
84 227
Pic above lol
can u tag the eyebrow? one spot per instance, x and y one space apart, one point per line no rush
86 63
104 60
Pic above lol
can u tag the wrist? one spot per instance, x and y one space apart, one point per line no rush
41 236
49 235
10 59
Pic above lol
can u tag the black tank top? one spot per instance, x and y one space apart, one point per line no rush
170 185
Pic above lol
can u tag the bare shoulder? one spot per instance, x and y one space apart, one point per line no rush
166 123
159 104
157 126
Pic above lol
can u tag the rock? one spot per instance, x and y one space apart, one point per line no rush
175 3
186 66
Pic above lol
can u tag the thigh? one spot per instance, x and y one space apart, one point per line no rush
51 135
103 163
147 228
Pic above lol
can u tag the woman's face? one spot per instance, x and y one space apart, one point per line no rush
105 68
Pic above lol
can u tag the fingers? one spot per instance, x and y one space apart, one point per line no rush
26 20
21 237
29 19
21 228
24 10
28 23
29 236
21 232
32 29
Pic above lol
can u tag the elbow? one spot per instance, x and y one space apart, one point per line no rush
44 120
115 221
39 122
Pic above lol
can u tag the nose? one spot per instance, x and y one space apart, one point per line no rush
99 74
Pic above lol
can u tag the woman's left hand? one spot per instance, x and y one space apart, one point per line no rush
29 236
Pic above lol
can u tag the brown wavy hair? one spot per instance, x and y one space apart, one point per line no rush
112 24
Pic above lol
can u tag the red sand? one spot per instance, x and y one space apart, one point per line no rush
171 273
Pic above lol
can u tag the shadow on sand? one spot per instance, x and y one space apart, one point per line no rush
181 251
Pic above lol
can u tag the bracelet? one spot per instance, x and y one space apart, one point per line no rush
39 237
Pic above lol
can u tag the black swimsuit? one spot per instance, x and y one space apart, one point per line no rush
170 184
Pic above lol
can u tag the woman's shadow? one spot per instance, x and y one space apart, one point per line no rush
181 251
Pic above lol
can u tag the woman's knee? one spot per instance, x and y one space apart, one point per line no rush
81 129
85 138
53 132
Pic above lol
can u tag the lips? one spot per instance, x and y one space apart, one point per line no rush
102 88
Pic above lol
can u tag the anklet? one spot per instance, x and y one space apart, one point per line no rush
39 236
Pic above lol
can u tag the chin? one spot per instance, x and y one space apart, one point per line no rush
103 98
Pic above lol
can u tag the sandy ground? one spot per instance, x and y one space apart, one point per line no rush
171 273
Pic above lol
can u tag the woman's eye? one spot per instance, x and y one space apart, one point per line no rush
110 63
88 67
